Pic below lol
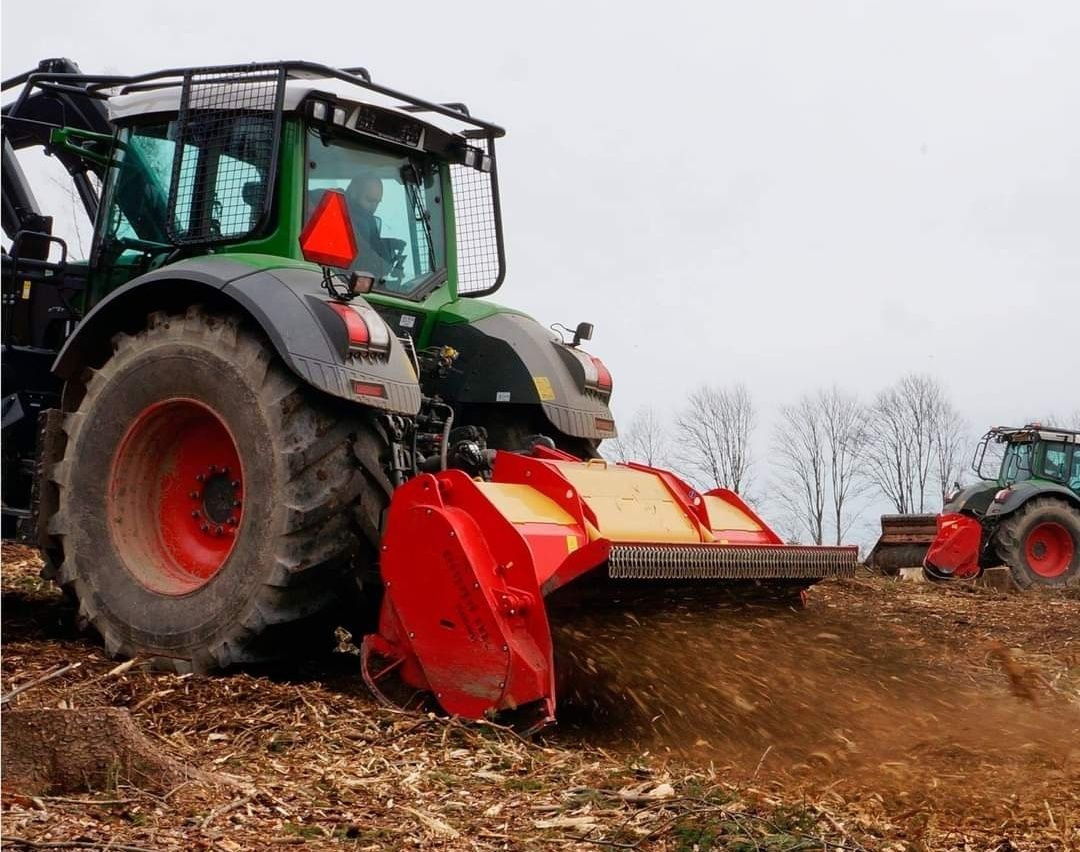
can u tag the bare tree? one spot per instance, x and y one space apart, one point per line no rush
799 448
950 443
908 422
646 440
819 445
714 431
844 420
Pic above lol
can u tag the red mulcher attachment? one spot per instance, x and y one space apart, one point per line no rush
954 552
467 565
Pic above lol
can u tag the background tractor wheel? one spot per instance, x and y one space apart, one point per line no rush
212 510
1040 542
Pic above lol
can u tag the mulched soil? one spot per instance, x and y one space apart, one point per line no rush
886 715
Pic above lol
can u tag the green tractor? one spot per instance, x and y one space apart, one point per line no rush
285 256
271 402
1025 514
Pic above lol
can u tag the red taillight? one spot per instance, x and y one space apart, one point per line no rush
359 335
597 376
366 330
603 377
328 237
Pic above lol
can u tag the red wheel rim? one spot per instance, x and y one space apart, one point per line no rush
1049 549
175 496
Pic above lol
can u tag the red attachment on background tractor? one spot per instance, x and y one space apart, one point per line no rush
954 553
467 565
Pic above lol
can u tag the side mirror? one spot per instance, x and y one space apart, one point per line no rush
583 331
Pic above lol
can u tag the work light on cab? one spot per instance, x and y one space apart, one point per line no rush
327 238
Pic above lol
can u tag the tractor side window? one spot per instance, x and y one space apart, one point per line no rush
1055 461
140 186
395 208
219 192
1074 479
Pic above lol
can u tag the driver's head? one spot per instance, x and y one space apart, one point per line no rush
365 192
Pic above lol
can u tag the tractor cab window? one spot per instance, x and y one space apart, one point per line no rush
217 195
1016 464
1055 460
395 208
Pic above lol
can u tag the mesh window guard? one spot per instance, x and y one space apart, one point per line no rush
223 168
480 260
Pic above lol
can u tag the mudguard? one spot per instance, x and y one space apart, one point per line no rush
973 499
1020 492
511 359
286 301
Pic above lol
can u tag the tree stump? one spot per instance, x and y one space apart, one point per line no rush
1000 579
50 750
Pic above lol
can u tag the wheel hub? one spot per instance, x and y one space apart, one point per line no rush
1049 549
217 500
175 498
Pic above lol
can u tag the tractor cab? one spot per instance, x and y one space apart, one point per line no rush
1029 453
328 170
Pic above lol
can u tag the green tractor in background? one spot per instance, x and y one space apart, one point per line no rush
1025 514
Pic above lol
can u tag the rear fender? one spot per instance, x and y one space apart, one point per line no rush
1021 492
287 303
973 499
510 359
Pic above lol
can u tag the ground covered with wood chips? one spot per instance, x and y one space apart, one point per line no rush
884 715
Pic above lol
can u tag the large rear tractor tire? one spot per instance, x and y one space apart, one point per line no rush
1040 542
213 510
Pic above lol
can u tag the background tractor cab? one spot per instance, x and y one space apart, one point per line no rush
1024 512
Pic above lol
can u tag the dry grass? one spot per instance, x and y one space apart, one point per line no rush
885 716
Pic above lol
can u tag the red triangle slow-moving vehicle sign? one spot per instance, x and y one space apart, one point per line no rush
328 236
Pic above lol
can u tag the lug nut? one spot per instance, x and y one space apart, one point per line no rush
213 468
205 527
194 495
234 521
195 514
236 504
200 478
219 531
235 483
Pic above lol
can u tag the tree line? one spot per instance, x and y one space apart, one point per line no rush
829 453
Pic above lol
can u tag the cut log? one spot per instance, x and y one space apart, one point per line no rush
50 750
1000 579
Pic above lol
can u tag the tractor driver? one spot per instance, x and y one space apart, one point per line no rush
377 254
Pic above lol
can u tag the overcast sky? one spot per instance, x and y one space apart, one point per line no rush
786 194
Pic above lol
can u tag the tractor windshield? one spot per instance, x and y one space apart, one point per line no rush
395 206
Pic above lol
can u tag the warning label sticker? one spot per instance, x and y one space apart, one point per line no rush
502 396
543 388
